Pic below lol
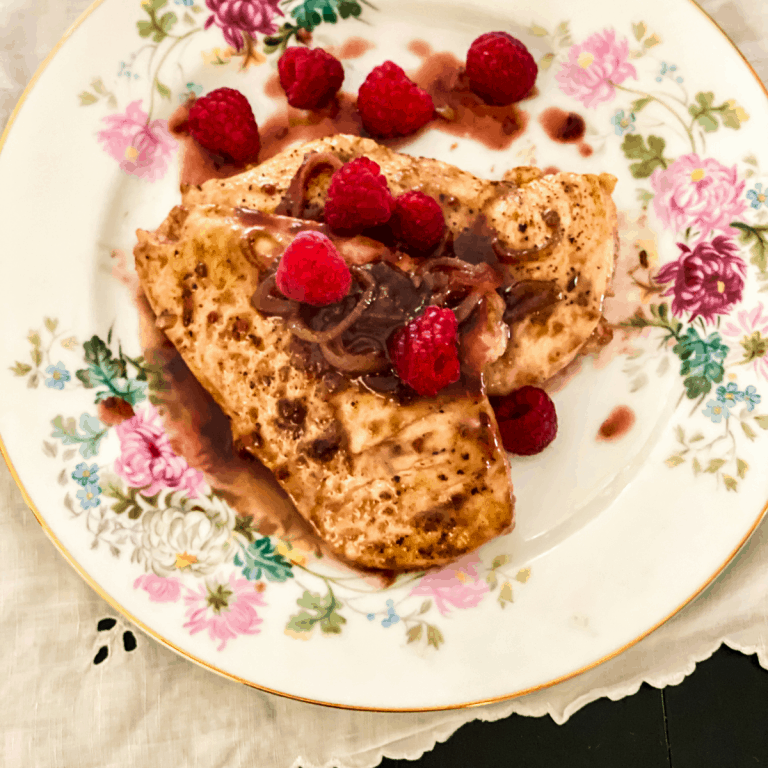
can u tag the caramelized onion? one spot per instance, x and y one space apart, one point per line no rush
467 307
263 300
292 203
519 255
349 362
299 328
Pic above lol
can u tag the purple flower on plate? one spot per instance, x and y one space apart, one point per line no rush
707 280
243 17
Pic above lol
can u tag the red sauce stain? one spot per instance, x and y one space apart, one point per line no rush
563 127
463 113
352 48
420 48
620 420
272 87
289 125
585 150
551 170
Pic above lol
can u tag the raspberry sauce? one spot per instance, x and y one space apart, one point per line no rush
620 420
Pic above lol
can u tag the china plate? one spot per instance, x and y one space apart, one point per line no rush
654 480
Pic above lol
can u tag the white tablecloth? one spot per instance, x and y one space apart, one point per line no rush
148 707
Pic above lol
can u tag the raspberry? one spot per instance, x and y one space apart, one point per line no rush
391 104
310 77
223 123
425 353
312 271
358 197
418 221
527 420
500 68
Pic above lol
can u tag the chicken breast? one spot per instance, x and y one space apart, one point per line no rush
557 234
385 484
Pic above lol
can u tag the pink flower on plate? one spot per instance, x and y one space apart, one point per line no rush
160 590
142 147
751 329
147 460
707 280
225 610
458 585
238 17
698 193
594 67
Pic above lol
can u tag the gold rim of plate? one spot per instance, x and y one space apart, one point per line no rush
149 631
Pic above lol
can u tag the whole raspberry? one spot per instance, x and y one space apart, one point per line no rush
312 271
500 68
310 77
425 352
223 123
418 221
390 104
527 420
358 197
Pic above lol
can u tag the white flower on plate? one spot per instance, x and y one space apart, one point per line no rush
187 535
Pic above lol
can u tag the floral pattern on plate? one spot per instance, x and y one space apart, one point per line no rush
194 549
193 552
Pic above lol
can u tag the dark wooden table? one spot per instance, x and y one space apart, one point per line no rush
716 718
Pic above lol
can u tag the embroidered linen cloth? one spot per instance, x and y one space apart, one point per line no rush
144 706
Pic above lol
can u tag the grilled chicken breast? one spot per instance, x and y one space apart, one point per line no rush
577 260
385 485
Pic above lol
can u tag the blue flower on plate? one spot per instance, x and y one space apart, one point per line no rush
751 397
86 475
758 196
716 411
730 395
668 70
89 496
59 376
392 617
623 123
188 3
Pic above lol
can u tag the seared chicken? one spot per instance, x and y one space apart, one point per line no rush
385 483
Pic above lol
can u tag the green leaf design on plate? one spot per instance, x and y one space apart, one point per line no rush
317 610
260 557
312 13
434 636
649 154
706 113
20 369
701 361
757 236
104 369
89 435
